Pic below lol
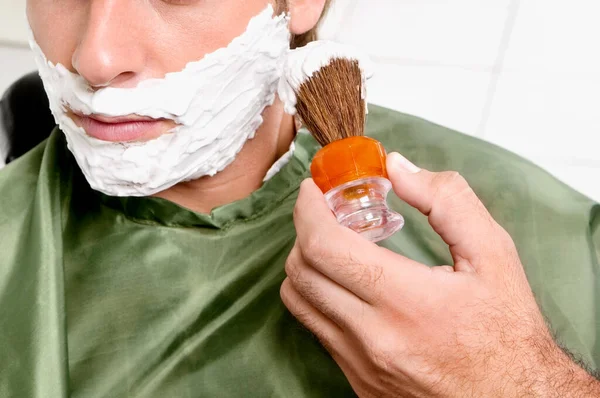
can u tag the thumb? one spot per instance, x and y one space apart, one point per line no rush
454 212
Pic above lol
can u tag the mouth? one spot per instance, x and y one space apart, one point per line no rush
120 129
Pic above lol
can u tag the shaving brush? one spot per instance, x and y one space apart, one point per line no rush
350 169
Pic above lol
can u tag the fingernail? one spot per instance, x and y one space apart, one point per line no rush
402 163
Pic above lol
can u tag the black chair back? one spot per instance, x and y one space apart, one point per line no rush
25 117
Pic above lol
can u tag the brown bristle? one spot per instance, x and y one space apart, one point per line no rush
330 103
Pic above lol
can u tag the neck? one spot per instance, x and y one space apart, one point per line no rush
245 175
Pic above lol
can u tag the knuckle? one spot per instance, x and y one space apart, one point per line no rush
296 213
305 184
443 269
313 295
446 177
306 318
381 350
503 236
303 285
327 345
314 249
284 291
296 304
506 242
449 183
290 267
452 190
368 275
304 192
376 276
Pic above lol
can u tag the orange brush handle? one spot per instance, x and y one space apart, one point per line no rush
348 160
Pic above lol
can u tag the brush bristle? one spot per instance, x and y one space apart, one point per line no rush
331 103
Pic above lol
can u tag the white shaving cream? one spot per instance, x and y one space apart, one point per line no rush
302 63
216 102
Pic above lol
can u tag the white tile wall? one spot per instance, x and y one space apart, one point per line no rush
523 74
455 95
438 31
546 102
13 23
15 61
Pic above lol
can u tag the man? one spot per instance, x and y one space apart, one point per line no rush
147 259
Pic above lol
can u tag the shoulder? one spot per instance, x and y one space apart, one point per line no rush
431 145
522 197
539 211
491 170
18 181
555 228
24 178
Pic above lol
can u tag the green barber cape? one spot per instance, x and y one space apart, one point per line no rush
138 297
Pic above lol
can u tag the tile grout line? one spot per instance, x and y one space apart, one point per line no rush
498 66
14 44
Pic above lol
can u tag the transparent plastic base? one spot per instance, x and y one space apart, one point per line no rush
361 206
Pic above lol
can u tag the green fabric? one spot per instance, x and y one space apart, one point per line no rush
138 297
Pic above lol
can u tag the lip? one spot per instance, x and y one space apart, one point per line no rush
119 129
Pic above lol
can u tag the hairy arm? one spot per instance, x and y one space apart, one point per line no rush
568 377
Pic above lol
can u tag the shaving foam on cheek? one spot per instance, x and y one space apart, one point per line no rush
302 63
217 103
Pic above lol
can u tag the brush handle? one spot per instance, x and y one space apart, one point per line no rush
361 206
347 160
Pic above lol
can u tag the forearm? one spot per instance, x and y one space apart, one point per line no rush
560 376
569 380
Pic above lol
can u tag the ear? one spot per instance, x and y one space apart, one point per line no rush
305 15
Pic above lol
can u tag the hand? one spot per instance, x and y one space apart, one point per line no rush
398 328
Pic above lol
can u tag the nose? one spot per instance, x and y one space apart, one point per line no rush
109 52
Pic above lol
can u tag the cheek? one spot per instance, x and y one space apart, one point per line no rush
165 36
55 26
190 35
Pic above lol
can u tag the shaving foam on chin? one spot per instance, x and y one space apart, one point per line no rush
217 103
302 63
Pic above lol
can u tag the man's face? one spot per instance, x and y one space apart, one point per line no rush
119 43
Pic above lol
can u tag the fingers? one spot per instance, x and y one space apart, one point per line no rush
454 210
334 301
344 256
330 335
443 268
329 298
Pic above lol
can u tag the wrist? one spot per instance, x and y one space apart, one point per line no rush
558 375
568 379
